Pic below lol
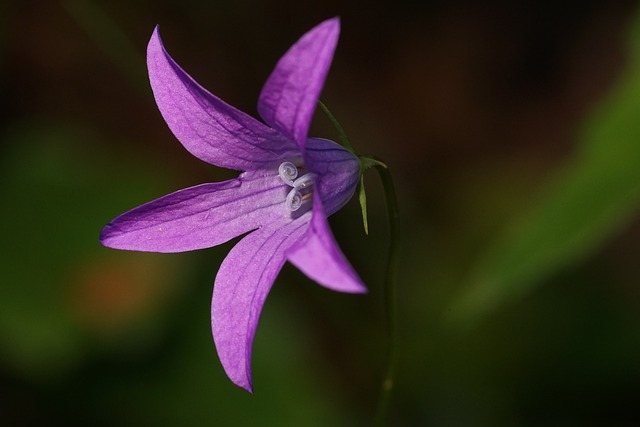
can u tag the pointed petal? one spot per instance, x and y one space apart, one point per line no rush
290 95
318 256
241 287
199 217
337 171
209 128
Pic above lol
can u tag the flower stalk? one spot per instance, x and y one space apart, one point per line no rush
389 285
389 295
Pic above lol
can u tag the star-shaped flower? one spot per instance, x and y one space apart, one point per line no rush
288 185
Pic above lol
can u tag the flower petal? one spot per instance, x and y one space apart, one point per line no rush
199 217
337 171
209 128
241 287
290 95
318 256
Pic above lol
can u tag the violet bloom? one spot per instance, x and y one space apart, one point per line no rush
288 185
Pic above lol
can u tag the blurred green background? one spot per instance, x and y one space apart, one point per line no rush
512 129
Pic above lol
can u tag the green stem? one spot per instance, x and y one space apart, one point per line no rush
389 287
389 295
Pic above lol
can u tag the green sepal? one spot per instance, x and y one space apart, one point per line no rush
366 163
370 162
362 198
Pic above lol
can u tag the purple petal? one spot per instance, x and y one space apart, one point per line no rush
337 171
318 256
290 95
200 217
209 128
241 287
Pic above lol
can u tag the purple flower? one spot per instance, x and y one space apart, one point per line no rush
288 185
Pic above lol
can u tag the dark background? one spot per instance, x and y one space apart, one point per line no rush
512 129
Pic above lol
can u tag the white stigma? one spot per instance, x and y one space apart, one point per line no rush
304 181
302 186
288 172
294 200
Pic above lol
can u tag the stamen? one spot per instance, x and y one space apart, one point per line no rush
288 172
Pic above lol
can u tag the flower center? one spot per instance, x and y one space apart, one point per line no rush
302 186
